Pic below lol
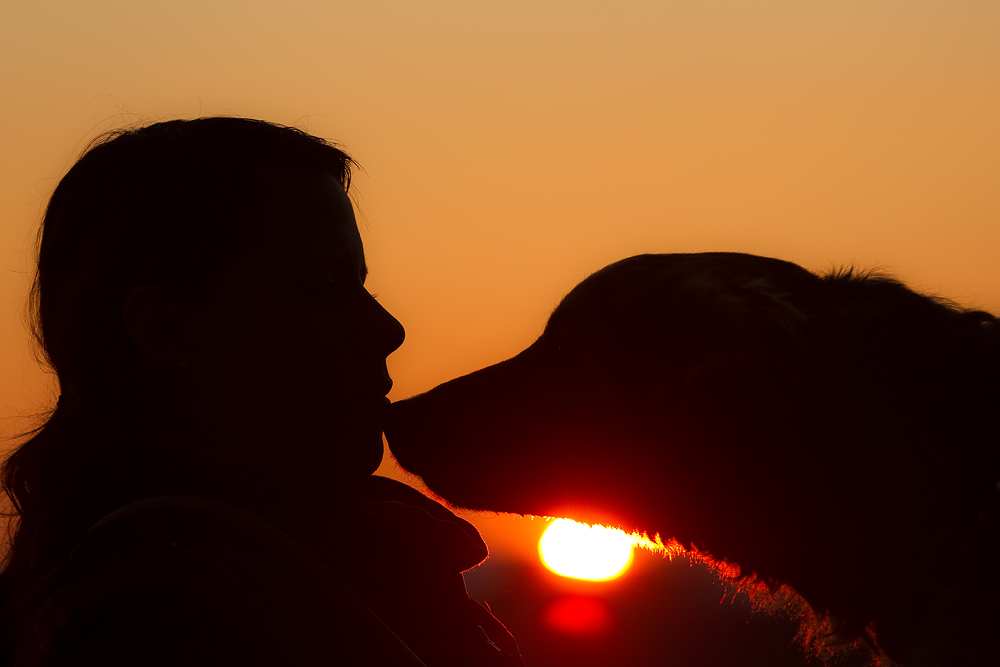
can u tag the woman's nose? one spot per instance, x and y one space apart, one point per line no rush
390 331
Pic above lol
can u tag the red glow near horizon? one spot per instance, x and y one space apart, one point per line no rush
578 614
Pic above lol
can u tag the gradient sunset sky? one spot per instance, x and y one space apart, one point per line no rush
511 148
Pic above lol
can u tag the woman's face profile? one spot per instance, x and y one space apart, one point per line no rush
287 348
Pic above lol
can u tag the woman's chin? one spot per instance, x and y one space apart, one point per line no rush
359 460
374 452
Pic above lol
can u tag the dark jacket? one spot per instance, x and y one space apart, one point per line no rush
183 580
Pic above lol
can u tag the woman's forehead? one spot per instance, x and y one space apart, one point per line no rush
304 220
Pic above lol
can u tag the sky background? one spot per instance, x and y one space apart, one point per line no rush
512 148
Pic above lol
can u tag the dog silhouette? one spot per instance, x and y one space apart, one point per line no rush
832 436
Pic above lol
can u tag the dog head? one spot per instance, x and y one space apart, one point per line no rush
651 375
818 431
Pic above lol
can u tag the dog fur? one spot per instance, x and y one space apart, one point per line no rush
833 435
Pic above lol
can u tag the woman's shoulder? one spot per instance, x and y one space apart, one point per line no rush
183 580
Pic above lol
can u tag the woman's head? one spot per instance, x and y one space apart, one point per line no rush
159 204
205 277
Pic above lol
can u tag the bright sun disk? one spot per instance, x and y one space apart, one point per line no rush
580 551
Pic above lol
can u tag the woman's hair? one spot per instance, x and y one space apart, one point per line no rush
158 204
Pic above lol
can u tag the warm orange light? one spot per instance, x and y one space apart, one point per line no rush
580 551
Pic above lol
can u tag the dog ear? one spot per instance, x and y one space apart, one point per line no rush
747 341
774 341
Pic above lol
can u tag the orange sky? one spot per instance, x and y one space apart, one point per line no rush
512 148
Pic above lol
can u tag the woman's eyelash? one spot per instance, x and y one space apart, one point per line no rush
329 281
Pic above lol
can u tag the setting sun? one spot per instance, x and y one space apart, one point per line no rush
580 551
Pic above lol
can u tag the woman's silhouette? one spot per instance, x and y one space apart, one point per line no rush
202 493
